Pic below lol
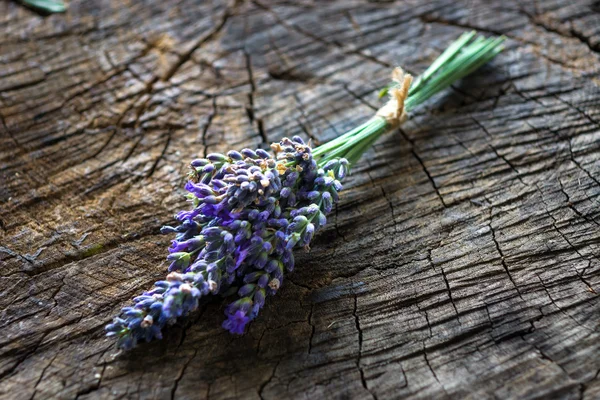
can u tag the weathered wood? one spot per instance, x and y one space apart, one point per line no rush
462 261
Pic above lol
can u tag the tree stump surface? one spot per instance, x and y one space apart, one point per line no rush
462 261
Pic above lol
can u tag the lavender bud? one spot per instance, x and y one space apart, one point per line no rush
263 216
331 164
246 289
261 260
180 261
263 280
218 184
292 240
229 243
313 195
285 192
272 265
216 157
200 162
212 232
293 227
211 268
327 181
300 222
291 200
279 241
322 219
134 323
262 153
249 153
199 190
198 266
210 200
291 179
327 202
308 234
254 276
259 297
298 139
131 312
234 155
342 172
288 260
312 210
208 168
252 215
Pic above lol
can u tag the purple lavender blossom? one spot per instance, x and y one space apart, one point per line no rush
236 323
249 211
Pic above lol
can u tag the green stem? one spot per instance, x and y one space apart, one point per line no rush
48 6
460 59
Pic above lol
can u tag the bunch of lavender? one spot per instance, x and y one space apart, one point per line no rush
250 209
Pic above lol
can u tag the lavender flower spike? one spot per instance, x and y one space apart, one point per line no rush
249 211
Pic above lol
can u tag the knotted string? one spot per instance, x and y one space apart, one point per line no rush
393 111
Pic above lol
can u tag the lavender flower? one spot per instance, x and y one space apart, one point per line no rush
249 211
236 323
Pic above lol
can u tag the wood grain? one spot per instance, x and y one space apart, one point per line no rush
461 263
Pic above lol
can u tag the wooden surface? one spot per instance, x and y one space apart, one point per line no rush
462 261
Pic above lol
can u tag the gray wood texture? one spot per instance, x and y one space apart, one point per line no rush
461 263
